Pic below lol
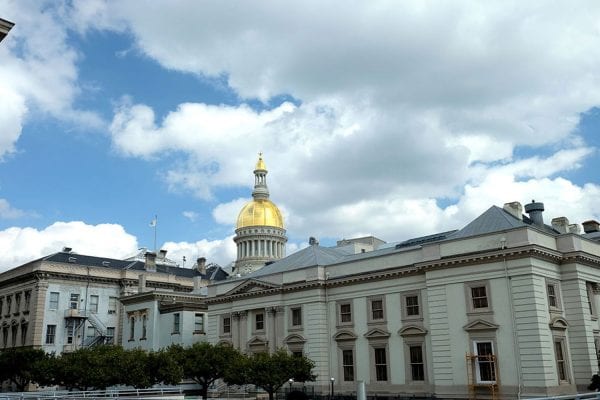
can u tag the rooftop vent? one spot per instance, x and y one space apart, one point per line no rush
72 259
591 226
67 249
535 211
313 241
106 263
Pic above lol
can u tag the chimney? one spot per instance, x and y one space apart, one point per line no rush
574 228
197 284
561 224
201 265
515 209
591 226
535 211
150 264
141 283
313 241
162 254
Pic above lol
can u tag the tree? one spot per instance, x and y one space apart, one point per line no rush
205 363
91 368
271 371
165 368
22 366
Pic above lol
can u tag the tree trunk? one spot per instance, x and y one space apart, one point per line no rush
204 391
270 394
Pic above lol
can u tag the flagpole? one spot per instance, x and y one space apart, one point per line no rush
155 223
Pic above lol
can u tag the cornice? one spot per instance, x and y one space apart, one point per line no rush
475 258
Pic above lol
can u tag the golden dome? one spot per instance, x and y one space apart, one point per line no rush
260 164
260 212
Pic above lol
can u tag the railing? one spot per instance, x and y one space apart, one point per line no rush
150 393
579 396
96 323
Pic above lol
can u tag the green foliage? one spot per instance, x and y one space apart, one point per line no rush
205 363
22 366
90 368
271 371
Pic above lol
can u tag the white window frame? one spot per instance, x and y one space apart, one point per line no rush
112 305
94 304
176 323
50 334
478 379
52 303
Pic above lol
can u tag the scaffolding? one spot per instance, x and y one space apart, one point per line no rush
489 388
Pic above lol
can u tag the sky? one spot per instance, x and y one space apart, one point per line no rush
392 119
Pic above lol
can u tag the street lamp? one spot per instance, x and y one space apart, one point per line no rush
290 381
332 382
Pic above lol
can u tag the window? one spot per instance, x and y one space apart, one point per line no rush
590 299
485 363
24 333
176 322
479 297
112 305
91 332
348 365
8 305
53 303
70 331
5 336
561 363
199 322
74 303
94 300
345 313
17 302
297 316
259 321
15 329
50 334
1 305
144 324
131 328
110 334
417 366
376 309
27 299
380 364
226 325
552 295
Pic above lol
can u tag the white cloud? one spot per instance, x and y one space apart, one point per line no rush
220 251
191 215
38 71
9 212
20 245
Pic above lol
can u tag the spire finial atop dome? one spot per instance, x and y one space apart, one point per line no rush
261 191
260 164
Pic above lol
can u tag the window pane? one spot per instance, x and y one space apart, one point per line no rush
53 305
485 362
345 313
412 305
560 361
552 296
417 366
348 365
479 296
377 309
380 365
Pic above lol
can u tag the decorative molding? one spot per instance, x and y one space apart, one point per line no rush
480 325
559 323
344 335
377 333
294 339
412 330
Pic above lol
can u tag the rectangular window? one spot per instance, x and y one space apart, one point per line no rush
5 336
226 325
590 299
131 328
417 366
176 322
561 363
348 365
53 303
1 305
296 316
110 334
50 334
24 334
380 364
479 297
345 313
91 332
70 331
485 364
74 302
17 302
199 322
8 305
144 326
259 321
112 305
27 299
552 299
377 313
94 300
412 305
15 330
